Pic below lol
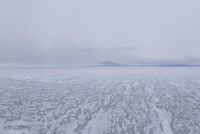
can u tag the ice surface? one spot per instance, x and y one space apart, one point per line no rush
120 100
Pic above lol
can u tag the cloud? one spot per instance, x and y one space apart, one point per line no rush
130 32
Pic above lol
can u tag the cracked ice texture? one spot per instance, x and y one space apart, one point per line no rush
117 100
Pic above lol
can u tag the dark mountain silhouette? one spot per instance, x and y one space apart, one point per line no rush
109 63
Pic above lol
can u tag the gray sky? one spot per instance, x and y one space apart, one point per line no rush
89 31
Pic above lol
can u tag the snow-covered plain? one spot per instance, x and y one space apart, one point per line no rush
117 100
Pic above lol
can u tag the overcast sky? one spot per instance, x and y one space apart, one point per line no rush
89 31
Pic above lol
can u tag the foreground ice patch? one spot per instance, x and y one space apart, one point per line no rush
100 101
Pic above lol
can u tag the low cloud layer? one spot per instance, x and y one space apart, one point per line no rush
86 32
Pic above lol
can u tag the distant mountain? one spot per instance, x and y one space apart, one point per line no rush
109 63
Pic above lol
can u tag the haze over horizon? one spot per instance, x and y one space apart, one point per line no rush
91 31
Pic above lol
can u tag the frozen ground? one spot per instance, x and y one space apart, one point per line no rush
100 101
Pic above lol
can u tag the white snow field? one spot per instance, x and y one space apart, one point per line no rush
112 100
